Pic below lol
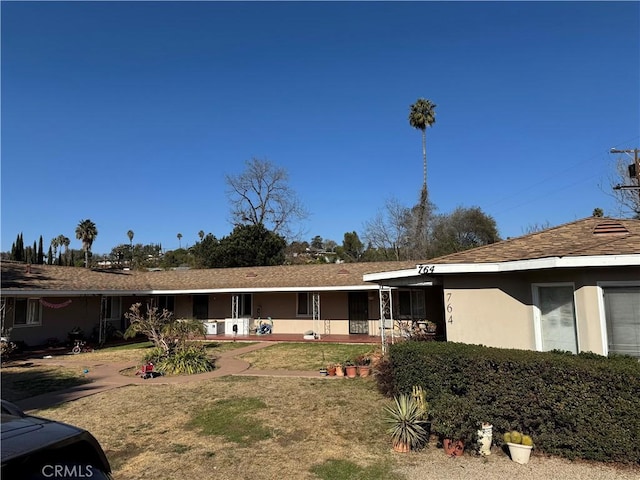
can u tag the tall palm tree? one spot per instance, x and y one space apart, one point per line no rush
130 235
55 243
422 115
86 232
66 242
180 240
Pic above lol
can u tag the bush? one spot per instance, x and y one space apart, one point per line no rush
575 406
186 360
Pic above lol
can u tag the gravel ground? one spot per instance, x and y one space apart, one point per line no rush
433 464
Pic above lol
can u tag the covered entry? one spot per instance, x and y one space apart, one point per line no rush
358 313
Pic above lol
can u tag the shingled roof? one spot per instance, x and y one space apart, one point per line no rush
587 237
18 277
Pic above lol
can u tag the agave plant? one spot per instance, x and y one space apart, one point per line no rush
408 424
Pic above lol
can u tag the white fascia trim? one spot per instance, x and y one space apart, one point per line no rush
513 266
131 293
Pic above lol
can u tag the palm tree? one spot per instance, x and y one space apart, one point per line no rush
180 240
54 243
130 235
201 234
66 242
86 232
421 116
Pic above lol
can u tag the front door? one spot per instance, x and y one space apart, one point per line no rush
359 312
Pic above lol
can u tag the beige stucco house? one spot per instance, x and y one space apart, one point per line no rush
575 287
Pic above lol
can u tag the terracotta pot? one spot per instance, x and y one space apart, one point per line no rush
331 371
364 370
352 371
339 371
401 447
453 448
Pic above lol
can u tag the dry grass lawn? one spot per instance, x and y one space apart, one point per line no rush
146 434
288 428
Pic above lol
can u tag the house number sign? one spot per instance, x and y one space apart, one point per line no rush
426 269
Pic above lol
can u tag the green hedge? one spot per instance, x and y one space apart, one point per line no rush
576 406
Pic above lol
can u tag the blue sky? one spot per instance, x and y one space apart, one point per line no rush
131 113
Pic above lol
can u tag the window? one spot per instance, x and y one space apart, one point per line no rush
411 304
113 308
168 302
305 306
622 313
555 318
28 311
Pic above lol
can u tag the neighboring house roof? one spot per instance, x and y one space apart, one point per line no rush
590 242
51 280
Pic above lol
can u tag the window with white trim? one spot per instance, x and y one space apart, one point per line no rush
305 304
557 318
622 314
28 311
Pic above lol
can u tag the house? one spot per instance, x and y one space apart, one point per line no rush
42 302
575 287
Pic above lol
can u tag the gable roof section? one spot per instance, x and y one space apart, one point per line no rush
587 237
54 280
583 243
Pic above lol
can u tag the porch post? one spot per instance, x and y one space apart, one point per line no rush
235 300
316 313
102 322
386 313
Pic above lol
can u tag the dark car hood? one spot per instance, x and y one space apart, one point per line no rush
22 434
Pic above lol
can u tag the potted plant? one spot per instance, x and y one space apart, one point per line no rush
520 446
453 421
364 365
331 369
339 370
408 425
350 369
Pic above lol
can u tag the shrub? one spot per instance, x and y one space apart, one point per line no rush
576 406
187 360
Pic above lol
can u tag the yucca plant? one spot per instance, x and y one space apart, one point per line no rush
408 424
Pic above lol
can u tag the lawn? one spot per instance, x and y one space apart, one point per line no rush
257 428
304 356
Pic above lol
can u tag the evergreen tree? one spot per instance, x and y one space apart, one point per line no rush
40 252
50 256
60 258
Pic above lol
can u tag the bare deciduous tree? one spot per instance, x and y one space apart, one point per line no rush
387 231
261 195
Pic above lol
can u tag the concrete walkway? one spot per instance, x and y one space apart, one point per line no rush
107 376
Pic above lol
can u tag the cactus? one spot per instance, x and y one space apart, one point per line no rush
516 437
507 437
527 440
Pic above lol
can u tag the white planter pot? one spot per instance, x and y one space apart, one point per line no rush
519 453
485 437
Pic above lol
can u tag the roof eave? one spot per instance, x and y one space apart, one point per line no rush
509 266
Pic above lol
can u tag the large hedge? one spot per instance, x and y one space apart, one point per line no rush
576 406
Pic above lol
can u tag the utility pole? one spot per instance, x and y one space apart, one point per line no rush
634 169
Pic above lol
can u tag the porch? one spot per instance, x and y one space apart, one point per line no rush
294 337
